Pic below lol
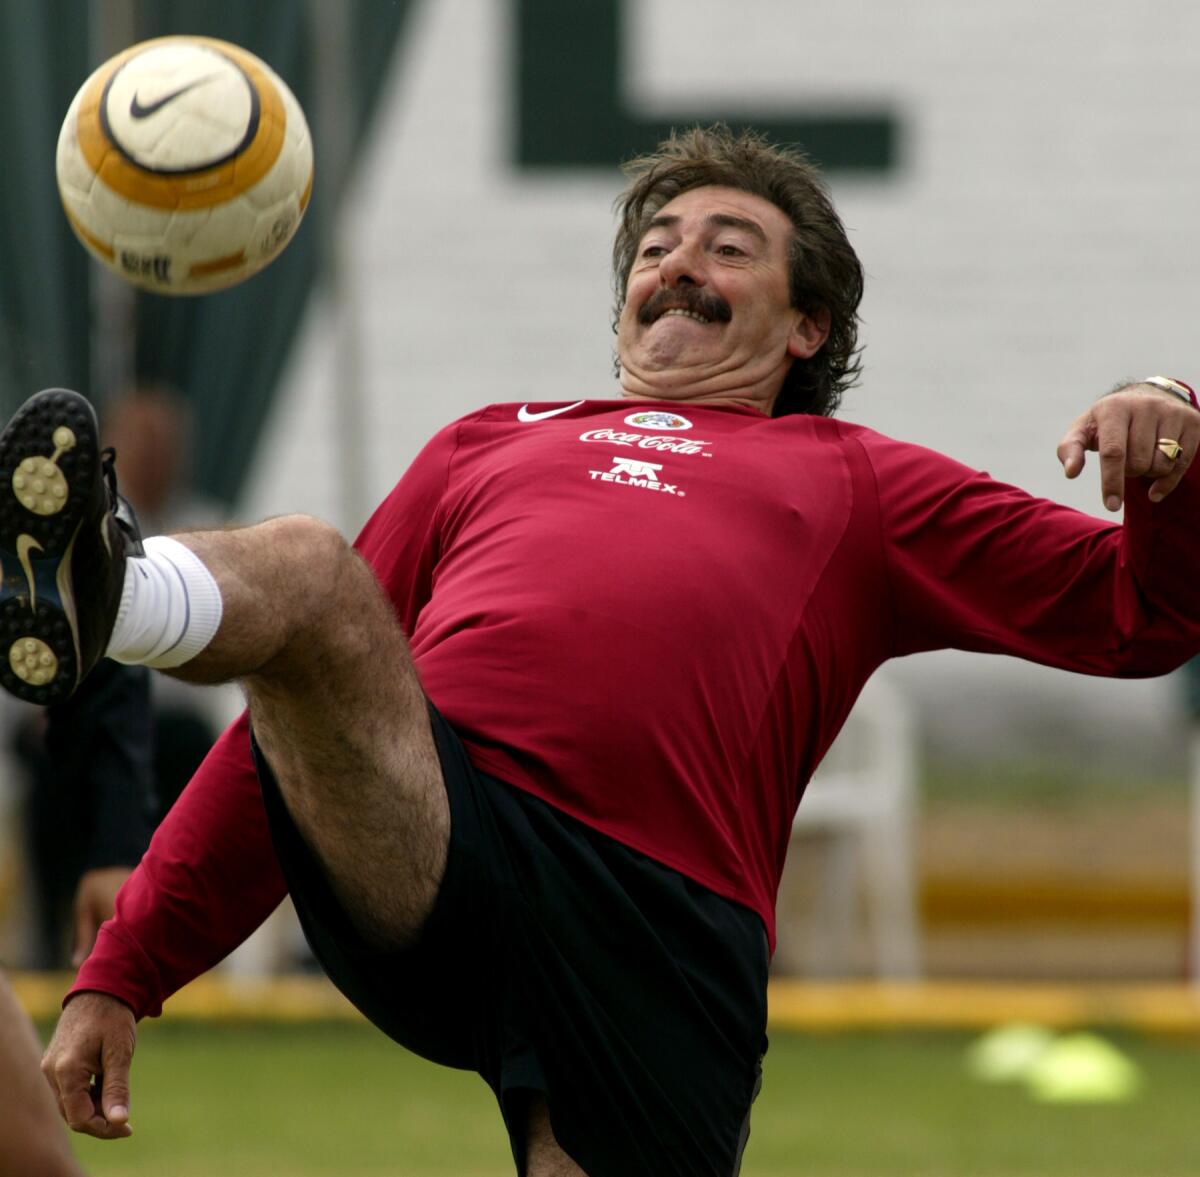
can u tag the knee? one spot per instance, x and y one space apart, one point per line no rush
306 535
312 563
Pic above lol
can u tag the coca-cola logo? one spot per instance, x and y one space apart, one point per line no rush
643 441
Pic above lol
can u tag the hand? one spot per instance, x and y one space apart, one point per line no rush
94 898
95 1035
1124 428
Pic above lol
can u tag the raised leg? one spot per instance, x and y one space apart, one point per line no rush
337 710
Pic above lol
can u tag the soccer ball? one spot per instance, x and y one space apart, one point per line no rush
184 164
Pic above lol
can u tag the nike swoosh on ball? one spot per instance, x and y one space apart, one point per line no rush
138 111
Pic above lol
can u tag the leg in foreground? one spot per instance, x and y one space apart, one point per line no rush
32 1139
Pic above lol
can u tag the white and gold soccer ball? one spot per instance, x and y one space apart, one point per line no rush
184 164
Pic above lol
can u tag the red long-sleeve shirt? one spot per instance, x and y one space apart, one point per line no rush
657 618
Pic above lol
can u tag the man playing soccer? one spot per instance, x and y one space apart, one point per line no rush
527 760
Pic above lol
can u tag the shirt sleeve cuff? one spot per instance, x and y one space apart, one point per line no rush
119 967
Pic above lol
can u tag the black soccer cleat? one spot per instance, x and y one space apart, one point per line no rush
64 538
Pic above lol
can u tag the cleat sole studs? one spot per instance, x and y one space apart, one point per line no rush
32 661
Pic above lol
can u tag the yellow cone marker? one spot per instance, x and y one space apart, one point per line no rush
1083 1068
1005 1054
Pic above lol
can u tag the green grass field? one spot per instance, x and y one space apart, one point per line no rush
339 1100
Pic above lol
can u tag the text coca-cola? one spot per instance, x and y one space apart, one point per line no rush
643 441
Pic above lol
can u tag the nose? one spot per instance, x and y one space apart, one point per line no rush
683 266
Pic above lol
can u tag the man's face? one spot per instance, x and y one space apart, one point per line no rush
707 310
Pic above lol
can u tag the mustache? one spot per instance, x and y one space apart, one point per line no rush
686 298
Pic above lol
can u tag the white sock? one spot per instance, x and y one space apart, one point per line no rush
170 607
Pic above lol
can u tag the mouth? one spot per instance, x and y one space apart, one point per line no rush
684 302
682 312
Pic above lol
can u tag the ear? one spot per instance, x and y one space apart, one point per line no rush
808 333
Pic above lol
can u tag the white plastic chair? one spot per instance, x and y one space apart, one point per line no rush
864 797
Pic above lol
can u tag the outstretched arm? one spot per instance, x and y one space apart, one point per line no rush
975 564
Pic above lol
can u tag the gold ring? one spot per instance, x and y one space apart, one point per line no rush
1170 447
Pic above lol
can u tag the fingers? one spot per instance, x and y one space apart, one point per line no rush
114 1085
1126 430
1112 444
1172 472
72 1084
1148 456
87 1065
1142 445
1075 443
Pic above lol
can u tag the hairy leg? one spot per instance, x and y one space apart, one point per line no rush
544 1157
337 710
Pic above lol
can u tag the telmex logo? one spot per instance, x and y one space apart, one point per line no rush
631 472
636 469
656 419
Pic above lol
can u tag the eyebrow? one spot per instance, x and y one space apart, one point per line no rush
724 220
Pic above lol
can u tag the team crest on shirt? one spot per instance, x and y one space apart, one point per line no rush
657 419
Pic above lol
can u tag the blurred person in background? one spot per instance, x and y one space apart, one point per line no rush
528 759
149 425
90 806
102 769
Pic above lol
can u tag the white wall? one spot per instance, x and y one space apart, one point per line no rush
1036 245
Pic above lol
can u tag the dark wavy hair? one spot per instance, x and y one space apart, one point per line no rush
823 270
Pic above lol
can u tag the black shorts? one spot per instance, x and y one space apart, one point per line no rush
557 960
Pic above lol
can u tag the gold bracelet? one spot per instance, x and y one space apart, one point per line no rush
1174 387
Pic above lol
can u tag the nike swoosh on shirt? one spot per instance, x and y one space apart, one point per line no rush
138 111
523 413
